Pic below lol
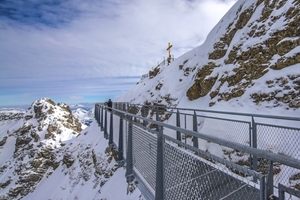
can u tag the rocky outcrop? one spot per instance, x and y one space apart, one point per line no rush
203 83
3 141
274 48
287 92
254 42
43 128
9 115
68 160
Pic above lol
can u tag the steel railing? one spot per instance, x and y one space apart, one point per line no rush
150 146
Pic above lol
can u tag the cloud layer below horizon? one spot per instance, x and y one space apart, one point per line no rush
80 51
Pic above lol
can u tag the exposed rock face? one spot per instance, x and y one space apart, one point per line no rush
42 130
274 47
202 84
3 141
7 115
253 53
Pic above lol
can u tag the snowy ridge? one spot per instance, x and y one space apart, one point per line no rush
84 116
248 63
90 177
8 117
84 112
47 148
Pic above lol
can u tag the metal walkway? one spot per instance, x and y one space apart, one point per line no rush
186 175
166 168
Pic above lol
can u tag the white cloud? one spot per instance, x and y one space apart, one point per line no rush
100 39
76 97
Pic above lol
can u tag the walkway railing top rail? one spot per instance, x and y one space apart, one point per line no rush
190 110
134 114
295 163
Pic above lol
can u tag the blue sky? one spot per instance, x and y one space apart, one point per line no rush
85 51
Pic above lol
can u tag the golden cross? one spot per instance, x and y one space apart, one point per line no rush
169 50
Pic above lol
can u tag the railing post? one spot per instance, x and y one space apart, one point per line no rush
159 187
262 190
95 114
120 150
195 139
134 112
105 125
144 122
129 155
280 192
111 131
157 117
254 145
185 128
99 114
101 124
270 181
178 133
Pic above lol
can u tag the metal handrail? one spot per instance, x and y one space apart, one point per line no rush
129 113
295 163
217 112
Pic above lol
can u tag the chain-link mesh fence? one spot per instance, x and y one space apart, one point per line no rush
193 176
287 193
116 129
186 178
125 137
144 154
284 141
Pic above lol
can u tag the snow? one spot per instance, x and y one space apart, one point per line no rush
7 150
91 176
61 186
83 112
175 83
173 80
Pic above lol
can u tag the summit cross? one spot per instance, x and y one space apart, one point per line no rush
169 50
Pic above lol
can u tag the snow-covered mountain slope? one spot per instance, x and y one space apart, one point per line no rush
85 106
45 154
26 150
84 112
8 117
84 116
88 171
250 62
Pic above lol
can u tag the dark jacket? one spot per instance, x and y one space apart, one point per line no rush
109 104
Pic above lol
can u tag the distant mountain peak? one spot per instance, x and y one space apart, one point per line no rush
44 127
46 148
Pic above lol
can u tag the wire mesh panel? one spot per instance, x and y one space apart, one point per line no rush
233 130
188 122
279 139
125 137
144 154
284 141
108 122
187 177
287 176
221 172
286 193
116 129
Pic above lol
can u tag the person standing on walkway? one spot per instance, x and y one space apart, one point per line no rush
109 104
